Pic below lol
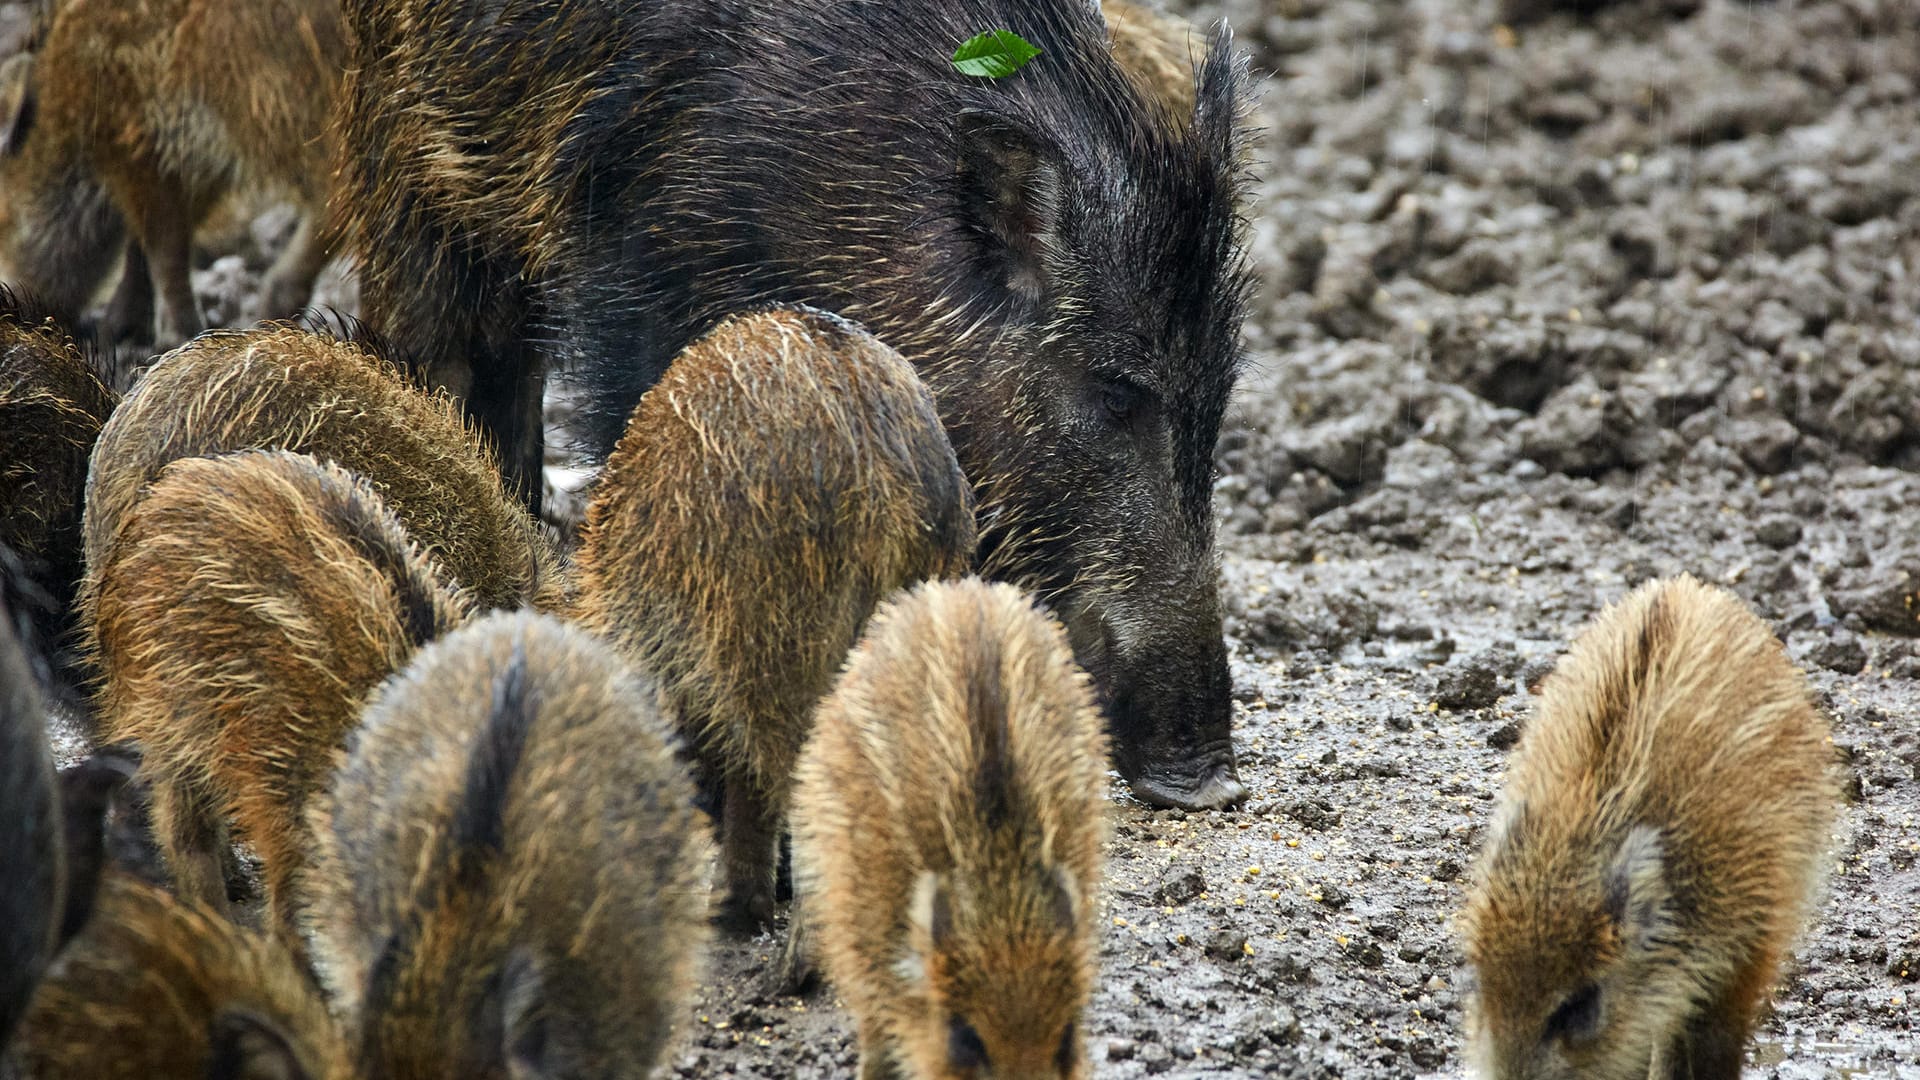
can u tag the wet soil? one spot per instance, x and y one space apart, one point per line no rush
1549 305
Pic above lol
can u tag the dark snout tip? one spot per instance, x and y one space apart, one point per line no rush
1215 789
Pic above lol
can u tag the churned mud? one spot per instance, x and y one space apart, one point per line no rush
1548 306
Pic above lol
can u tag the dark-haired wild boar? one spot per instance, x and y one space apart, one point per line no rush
281 387
1661 835
133 118
154 988
948 822
786 474
509 879
1060 259
251 605
52 406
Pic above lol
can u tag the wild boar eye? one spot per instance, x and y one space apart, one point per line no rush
965 1051
1121 400
1578 1017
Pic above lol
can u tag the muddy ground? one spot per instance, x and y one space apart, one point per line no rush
1549 306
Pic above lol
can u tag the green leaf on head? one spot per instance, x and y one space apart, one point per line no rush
995 54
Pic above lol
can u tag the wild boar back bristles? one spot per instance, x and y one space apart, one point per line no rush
787 474
249 607
281 387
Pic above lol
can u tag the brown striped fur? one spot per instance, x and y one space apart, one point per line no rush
786 474
509 876
251 605
281 387
154 988
137 117
1658 842
1159 52
949 815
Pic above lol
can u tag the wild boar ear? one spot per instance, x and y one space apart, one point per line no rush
1636 888
1507 834
1011 187
18 102
248 1046
932 907
527 1045
1065 899
1220 95
86 793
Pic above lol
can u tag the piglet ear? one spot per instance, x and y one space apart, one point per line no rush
526 1033
1010 189
1636 888
1065 900
248 1046
932 908
1509 833
19 104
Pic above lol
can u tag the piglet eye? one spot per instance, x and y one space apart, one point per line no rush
965 1051
1063 1058
1578 1017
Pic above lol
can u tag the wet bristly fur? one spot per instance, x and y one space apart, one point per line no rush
286 388
52 406
1158 51
251 605
509 877
785 475
31 864
1658 842
567 181
154 988
949 816
133 118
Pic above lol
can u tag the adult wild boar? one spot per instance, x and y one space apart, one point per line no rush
595 184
